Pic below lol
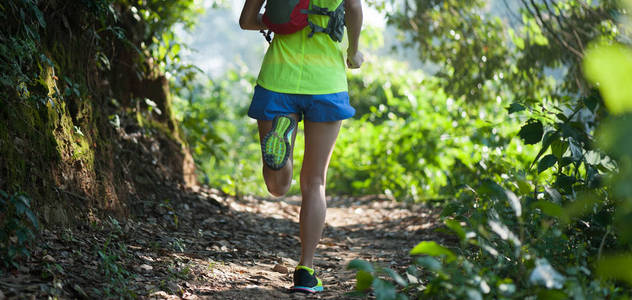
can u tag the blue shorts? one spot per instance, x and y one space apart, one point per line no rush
315 108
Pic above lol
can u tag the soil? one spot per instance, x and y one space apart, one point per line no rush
202 244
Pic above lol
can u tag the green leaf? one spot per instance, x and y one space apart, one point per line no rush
175 50
456 227
554 194
401 297
32 218
384 290
558 148
565 182
593 158
515 107
433 249
492 189
548 139
396 277
551 209
24 199
40 16
363 280
20 208
360 265
584 203
546 163
616 267
610 67
514 202
429 263
565 161
532 132
473 294
552 295
524 186
591 102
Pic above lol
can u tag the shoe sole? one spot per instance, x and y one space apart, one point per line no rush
310 290
276 146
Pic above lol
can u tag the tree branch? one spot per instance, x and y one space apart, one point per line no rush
546 26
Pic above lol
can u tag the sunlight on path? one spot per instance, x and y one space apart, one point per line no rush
203 244
372 228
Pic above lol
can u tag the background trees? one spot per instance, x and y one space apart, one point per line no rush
519 131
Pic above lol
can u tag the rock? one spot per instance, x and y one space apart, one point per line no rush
145 267
174 287
281 269
2 296
159 295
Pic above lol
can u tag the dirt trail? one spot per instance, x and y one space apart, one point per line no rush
205 245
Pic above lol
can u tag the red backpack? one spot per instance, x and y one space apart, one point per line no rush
285 16
290 16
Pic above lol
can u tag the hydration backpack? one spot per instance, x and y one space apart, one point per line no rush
290 16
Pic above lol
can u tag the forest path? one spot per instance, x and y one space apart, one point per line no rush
206 245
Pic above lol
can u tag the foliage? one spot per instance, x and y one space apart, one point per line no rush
114 272
510 52
60 65
411 124
19 48
16 228
544 229
225 147
408 133
519 239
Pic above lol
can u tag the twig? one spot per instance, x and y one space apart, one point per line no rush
513 15
603 241
536 13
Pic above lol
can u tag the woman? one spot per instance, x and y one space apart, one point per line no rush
303 76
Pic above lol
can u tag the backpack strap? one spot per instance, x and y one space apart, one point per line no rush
335 26
267 35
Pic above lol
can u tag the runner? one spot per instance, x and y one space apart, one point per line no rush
303 77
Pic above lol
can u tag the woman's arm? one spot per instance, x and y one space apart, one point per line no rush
353 20
250 18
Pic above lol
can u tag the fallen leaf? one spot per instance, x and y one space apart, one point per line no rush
281 269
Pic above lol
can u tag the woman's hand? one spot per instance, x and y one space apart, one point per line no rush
353 21
355 60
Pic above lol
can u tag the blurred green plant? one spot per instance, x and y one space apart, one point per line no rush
223 140
115 275
557 227
414 142
18 226
609 66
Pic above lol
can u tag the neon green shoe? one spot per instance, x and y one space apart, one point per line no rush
276 145
305 281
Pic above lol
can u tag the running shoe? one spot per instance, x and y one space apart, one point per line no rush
305 281
276 145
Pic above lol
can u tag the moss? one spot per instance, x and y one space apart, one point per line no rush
59 146
163 129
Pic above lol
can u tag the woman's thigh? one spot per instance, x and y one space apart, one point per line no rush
320 139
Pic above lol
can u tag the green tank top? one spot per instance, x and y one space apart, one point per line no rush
298 64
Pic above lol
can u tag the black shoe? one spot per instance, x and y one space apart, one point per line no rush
305 281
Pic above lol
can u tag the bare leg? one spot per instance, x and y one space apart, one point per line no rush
278 182
320 138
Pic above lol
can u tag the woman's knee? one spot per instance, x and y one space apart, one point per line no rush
277 190
276 185
312 183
